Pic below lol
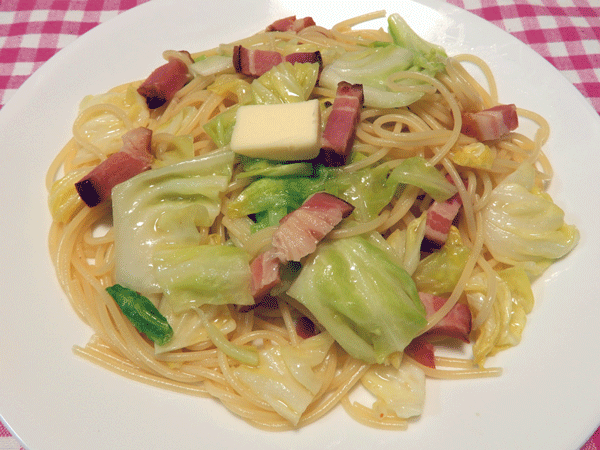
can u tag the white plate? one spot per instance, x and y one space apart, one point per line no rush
548 396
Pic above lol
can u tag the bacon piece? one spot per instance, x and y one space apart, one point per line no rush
265 273
291 24
492 123
300 231
306 57
440 217
305 328
455 324
254 62
133 158
162 84
421 351
297 236
340 129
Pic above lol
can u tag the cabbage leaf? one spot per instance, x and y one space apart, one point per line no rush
407 243
522 225
163 208
439 272
203 275
362 296
416 171
373 66
505 322
287 377
400 390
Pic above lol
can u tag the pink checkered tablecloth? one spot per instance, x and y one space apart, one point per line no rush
565 32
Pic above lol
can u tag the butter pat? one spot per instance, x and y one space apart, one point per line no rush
283 132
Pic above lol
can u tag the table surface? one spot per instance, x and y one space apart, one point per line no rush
565 32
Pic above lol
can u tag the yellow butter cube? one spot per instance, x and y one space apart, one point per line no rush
283 132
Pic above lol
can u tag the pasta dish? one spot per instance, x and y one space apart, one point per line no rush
285 220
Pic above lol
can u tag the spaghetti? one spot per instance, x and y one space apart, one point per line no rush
81 239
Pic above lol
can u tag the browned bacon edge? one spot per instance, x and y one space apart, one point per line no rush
340 129
489 124
162 84
133 158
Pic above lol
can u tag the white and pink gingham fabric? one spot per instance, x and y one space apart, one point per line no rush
565 32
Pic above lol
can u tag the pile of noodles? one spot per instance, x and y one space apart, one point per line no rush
82 247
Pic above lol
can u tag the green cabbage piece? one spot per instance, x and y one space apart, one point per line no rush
407 243
203 275
372 66
142 313
220 127
212 65
285 83
283 193
287 377
174 149
417 172
369 190
163 208
427 56
505 322
439 272
523 226
259 167
362 296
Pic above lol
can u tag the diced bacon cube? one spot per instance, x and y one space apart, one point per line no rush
340 129
300 231
265 273
306 57
132 159
455 324
291 24
440 217
489 124
254 62
162 84
421 351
